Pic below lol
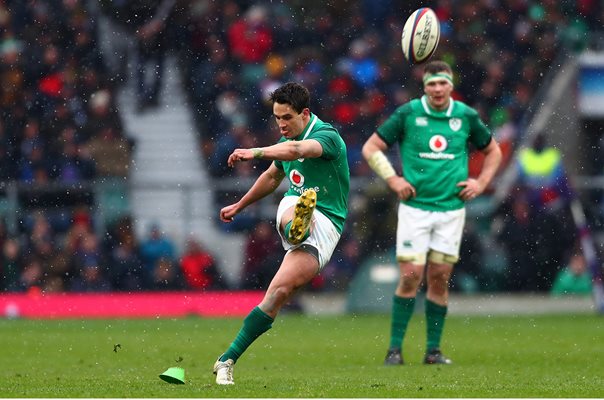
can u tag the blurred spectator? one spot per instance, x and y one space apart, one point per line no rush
126 271
125 265
88 252
11 266
110 152
90 278
12 74
261 257
31 276
516 236
166 275
40 237
360 65
155 247
542 179
574 279
250 40
542 175
199 268
8 165
59 272
222 147
102 114
74 166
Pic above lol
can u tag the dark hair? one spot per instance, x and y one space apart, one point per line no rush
294 94
434 67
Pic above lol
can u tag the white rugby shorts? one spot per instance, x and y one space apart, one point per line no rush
418 231
323 234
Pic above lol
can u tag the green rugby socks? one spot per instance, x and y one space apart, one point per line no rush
255 324
402 310
435 323
287 229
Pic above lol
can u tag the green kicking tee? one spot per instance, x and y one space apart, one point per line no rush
328 175
434 149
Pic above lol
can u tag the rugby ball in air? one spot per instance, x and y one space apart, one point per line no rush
420 35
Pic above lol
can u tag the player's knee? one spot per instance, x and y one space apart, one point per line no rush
411 277
438 287
409 284
438 257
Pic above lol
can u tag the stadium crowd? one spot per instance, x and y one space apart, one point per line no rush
60 124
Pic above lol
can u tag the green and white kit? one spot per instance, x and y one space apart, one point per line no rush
329 176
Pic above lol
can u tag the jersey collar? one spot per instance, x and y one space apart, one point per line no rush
430 111
311 124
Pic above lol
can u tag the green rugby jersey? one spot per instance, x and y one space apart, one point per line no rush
434 149
328 175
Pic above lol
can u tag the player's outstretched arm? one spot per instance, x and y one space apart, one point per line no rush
284 151
266 183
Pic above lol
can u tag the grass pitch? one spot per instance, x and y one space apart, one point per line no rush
304 356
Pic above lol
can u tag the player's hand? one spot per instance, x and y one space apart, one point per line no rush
240 155
403 189
227 214
471 189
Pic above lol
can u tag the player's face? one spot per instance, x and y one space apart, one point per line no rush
290 122
439 93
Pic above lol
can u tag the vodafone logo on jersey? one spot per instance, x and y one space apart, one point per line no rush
438 143
296 178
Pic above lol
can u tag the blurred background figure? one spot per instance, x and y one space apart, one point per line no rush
574 278
199 268
121 245
11 266
262 257
91 278
31 276
154 247
543 183
542 176
165 276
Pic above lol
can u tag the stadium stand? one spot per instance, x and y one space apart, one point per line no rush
73 126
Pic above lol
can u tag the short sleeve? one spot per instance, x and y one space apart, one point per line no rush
393 128
480 136
331 143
